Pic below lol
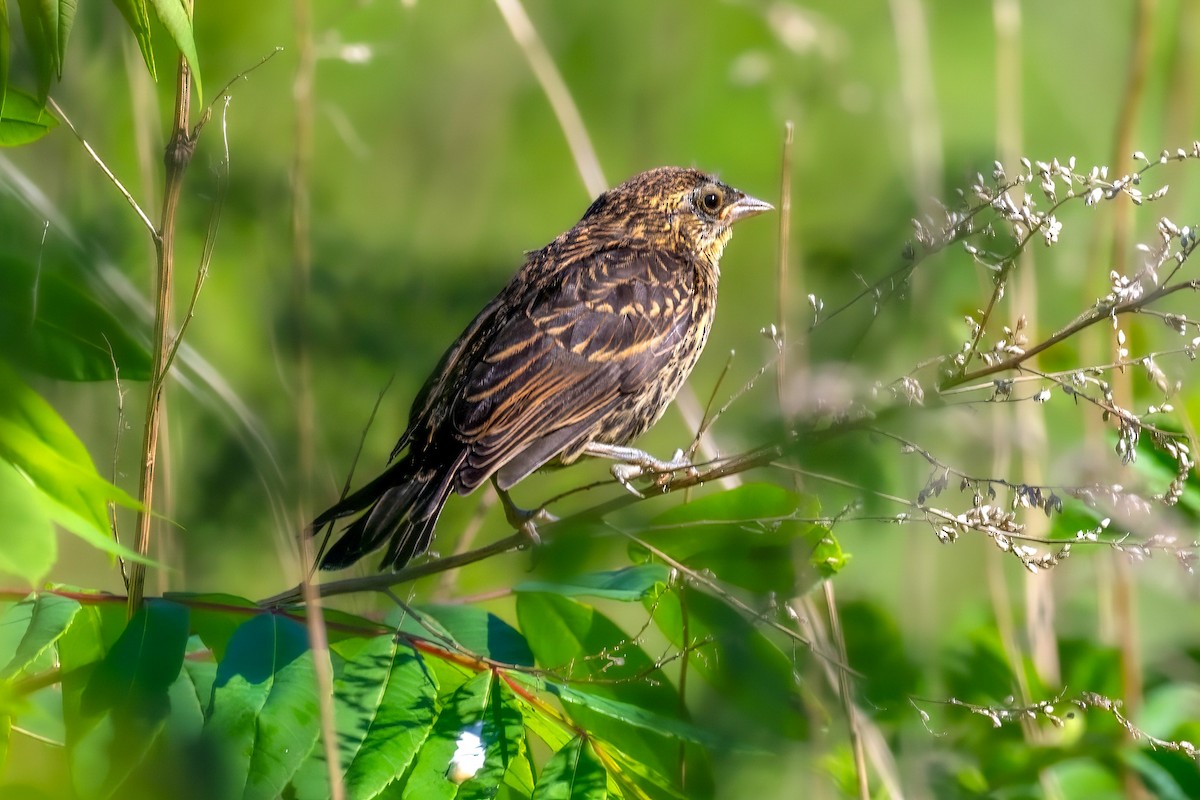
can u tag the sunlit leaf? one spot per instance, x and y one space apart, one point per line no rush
264 713
579 642
628 584
174 17
727 648
27 544
24 120
65 21
627 713
573 773
40 444
385 703
477 630
29 629
137 17
479 715
49 325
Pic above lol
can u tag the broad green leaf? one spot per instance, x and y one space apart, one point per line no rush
479 714
504 745
628 584
745 536
141 666
29 629
126 701
659 781
37 441
138 19
215 616
726 648
264 714
27 544
174 17
39 18
347 633
23 120
476 630
573 773
615 709
47 324
578 642
385 703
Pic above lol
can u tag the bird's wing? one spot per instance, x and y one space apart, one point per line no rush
453 362
599 330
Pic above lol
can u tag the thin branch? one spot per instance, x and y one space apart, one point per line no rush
1098 314
104 168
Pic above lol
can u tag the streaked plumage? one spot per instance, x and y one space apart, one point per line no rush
589 342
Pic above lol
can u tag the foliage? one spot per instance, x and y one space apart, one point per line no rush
738 628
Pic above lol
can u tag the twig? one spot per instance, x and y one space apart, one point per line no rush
1097 314
104 168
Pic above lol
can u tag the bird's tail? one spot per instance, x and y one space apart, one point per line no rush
399 509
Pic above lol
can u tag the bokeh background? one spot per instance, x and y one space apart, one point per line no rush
437 160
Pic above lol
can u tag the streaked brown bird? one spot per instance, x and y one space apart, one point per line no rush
579 354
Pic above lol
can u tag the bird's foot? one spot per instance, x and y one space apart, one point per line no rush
634 463
524 520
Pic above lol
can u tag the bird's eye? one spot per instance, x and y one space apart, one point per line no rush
711 198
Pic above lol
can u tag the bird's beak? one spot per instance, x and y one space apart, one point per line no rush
746 207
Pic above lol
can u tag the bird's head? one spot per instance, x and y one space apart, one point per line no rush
675 206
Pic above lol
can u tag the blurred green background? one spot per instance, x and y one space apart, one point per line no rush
437 161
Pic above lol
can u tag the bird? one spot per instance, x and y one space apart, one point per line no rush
579 354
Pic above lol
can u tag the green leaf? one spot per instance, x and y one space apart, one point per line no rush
66 20
628 584
174 17
39 18
478 631
726 648
137 17
24 120
141 666
27 544
264 714
47 324
745 535
126 702
573 773
624 712
480 713
215 616
29 629
37 441
582 644
385 704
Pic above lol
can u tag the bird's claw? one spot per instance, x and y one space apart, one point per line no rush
663 471
525 521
